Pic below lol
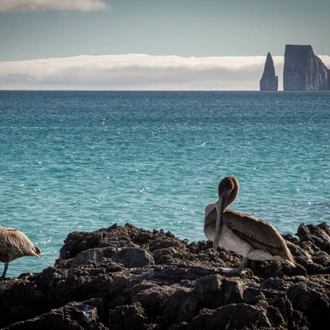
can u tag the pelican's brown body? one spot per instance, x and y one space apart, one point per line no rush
251 237
15 244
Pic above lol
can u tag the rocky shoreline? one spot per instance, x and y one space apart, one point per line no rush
124 277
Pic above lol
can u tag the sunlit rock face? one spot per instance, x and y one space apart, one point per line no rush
303 70
268 81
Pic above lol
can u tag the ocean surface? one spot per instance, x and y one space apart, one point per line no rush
81 161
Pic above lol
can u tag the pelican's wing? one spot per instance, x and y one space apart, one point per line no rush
258 233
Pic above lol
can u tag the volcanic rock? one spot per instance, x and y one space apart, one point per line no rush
303 70
269 82
123 277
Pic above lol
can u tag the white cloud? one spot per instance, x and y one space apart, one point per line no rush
34 5
140 72
136 72
325 59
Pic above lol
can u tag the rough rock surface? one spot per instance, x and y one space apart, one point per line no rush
268 81
303 70
123 277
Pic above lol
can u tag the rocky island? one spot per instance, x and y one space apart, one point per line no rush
268 81
123 277
303 70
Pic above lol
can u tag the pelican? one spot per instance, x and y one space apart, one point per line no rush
15 244
251 237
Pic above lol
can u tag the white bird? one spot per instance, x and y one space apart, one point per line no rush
251 237
15 244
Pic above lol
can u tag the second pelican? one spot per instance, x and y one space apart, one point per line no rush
14 244
251 237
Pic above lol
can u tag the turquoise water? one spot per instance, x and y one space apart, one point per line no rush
81 161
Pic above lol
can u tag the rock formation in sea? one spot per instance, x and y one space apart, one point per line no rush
123 277
268 81
303 70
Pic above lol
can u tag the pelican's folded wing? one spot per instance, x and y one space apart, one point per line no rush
258 233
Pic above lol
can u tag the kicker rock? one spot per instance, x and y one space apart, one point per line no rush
268 81
303 70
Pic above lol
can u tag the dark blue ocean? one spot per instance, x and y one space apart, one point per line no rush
81 161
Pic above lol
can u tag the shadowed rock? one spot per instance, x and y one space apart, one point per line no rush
268 81
303 70
123 277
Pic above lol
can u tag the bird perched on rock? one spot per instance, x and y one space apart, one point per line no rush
251 237
15 244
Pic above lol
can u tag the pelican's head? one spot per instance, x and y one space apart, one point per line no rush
227 191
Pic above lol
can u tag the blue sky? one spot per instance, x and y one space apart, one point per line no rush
61 29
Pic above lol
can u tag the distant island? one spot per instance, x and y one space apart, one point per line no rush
269 82
303 71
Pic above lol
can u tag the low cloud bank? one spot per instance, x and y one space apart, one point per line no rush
62 5
138 72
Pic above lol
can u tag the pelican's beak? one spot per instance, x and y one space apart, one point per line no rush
220 207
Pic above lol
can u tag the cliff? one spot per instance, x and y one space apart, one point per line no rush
268 81
303 70
123 277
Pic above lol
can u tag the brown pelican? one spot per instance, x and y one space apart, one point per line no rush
15 244
249 236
